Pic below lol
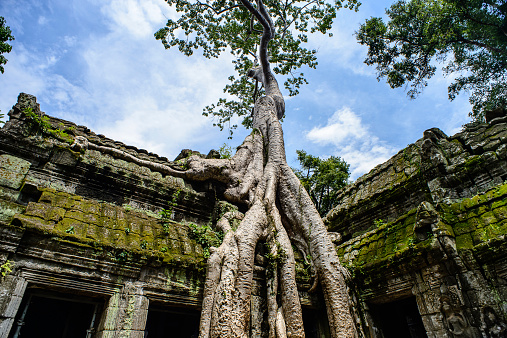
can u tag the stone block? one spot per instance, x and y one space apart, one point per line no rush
441 334
139 320
12 290
8 210
427 322
134 334
13 171
82 216
110 316
464 241
33 222
437 320
5 326
107 334
65 157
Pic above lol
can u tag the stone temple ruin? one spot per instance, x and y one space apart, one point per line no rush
84 251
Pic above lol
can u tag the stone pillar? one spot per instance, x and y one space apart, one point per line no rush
12 289
125 314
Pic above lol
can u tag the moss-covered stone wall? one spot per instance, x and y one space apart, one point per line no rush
436 168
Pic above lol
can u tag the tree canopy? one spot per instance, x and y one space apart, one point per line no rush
5 35
322 179
469 37
218 26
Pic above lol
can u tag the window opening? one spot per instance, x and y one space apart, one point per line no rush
400 318
165 322
55 315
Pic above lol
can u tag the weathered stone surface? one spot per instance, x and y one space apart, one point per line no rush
436 168
13 171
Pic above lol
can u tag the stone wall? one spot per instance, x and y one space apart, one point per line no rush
430 225
88 223
436 168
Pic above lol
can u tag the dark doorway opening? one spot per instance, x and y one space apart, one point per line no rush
316 323
55 315
164 322
398 319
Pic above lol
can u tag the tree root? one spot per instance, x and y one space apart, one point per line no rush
280 213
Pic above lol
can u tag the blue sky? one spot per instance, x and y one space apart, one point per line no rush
96 63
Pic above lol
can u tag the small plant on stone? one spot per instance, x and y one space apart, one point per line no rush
143 245
6 268
378 223
167 214
225 151
206 237
70 230
45 126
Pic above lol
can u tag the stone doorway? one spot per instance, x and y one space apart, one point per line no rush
396 319
166 322
47 314
316 323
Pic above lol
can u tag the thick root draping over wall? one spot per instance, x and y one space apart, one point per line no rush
281 215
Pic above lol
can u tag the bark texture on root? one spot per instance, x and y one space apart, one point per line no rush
279 209
280 214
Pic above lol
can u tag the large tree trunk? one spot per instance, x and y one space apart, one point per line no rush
280 214
259 176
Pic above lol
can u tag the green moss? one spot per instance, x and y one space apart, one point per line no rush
464 241
472 162
60 216
8 210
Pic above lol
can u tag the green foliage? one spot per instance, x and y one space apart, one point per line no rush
217 26
469 37
44 125
225 151
273 260
5 35
6 268
70 230
206 236
143 244
166 214
122 255
378 222
322 179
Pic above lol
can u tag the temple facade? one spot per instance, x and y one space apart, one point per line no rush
95 244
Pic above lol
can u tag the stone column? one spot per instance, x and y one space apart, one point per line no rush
12 289
125 314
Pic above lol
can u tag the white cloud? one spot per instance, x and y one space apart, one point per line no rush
42 20
352 141
122 82
136 17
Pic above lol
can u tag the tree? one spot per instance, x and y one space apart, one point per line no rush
230 26
322 179
280 213
469 37
5 35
